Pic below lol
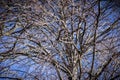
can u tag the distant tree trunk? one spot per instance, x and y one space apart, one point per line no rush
75 66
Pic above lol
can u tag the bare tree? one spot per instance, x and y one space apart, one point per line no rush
77 39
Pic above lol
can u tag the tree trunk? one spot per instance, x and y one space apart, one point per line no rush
75 66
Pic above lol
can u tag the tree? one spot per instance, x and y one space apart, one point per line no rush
77 38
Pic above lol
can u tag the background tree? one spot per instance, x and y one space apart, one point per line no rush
77 39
